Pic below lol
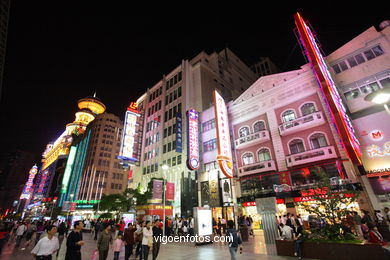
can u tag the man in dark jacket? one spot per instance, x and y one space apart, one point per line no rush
157 236
128 237
233 239
104 241
75 242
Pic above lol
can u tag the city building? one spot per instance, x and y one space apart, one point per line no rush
14 171
188 86
361 67
264 67
4 17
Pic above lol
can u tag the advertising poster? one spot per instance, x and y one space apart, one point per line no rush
205 224
157 189
214 193
205 193
226 191
170 191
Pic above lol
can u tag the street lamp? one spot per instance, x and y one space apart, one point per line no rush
381 97
52 207
165 168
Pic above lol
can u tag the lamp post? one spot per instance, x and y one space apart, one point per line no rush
52 207
381 97
165 168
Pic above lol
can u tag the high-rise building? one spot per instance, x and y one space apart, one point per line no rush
264 67
188 86
4 16
361 67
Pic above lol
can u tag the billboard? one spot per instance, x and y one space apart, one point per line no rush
68 169
193 140
170 191
179 131
329 91
28 188
127 146
157 189
224 156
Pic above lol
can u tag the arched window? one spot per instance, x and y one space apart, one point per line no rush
318 140
307 109
264 155
244 131
247 158
296 146
288 115
258 126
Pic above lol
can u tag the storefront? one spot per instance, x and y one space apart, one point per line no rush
153 212
226 213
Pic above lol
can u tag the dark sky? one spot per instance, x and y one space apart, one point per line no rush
57 54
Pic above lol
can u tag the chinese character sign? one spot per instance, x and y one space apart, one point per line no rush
179 131
28 187
127 148
193 142
170 191
223 136
157 189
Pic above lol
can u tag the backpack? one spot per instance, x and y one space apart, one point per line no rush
235 239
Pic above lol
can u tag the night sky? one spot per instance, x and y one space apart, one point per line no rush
57 54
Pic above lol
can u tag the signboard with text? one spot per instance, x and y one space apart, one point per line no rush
179 133
129 132
193 140
28 188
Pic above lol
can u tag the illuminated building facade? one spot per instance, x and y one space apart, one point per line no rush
188 86
360 67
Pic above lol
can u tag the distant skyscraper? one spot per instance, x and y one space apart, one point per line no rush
264 67
4 14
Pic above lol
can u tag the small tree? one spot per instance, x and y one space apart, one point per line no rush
330 201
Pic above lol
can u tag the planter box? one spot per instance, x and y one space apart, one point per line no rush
332 251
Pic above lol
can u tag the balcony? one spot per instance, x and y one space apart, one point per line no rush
256 168
301 123
255 138
323 153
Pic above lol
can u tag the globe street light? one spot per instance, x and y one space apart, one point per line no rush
381 97
165 168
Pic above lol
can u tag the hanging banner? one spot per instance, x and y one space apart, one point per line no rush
179 129
285 178
193 140
224 156
170 191
157 189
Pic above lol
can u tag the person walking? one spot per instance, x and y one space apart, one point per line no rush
128 238
147 240
31 228
47 246
40 230
298 240
121 227
357 220
118 244
75 242
19 233
98 228
157 236
103 243
62 231
234 240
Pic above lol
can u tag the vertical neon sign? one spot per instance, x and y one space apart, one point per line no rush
68 169
329 91
28 187
193 140
224 156
128 139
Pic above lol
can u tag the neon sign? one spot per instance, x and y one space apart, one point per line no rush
128 139
193 140
224 156
329 91
375 151
28 187
376 135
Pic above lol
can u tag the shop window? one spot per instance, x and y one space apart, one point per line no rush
307 109
385 83
296 146
244 131
264 155
354 93
259 126
247 159
370 88
288 115
318 140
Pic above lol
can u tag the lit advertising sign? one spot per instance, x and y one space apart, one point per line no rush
205 223
127 147
328 88
28 187
193 142
179 130
224 156
68 169
170 191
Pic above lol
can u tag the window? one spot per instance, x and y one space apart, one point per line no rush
156 166
377 50
308 109
179 92
170 114
169 147
170 97
370 88
173 145
174 129
210 145
144 171
169 130
318 140
288 115
359 58
247 159
352 62
336 69
244 131
165 132
152 168
264 155
385 83
179 108
165 116
148 169
369 54
169 162
166 99
259 126
179 159
164 148
174 161
174 111
179 76
159 105
296 146
343 65
208 125
175 94
354 93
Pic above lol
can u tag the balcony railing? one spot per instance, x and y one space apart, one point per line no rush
319 154
300 123
252 139
256 168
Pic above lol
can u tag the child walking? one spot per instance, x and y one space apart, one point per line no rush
118 244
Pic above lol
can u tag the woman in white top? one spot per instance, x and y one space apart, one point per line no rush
147 240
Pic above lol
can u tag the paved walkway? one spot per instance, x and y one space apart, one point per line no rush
253 249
